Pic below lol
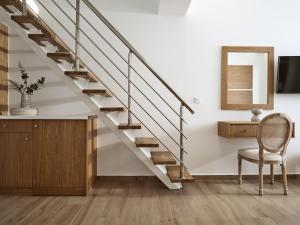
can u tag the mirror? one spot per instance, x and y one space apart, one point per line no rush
247 77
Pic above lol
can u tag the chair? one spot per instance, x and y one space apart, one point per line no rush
273 135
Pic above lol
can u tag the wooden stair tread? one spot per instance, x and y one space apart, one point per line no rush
112 109
103 92
39 38
6 3
146 142
16 3
79 73
162 158
57 56
67 56
31 19
174 174
133 126
5 6
22 19
82 74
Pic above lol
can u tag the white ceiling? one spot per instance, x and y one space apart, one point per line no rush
144 6
133 6
179 7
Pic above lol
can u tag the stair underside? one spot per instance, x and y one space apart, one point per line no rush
81 74
146 142
133 126
162 158
174 174
102 92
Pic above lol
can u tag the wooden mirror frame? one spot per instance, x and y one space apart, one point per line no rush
224 86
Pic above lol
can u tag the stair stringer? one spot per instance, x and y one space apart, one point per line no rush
110 121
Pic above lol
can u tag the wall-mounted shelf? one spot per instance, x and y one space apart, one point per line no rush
240 129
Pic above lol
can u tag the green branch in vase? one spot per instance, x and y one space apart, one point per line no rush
25 88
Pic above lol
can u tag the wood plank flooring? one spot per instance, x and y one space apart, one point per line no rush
148 202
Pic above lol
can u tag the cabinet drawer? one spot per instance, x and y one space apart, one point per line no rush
242 130
15 126
232 129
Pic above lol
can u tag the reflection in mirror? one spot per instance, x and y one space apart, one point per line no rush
247 78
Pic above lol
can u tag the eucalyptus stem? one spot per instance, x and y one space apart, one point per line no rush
24 87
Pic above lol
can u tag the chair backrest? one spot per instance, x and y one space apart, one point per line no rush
274 133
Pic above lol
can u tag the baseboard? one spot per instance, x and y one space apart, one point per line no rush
61 191
196 177
127 178
15 191
245 177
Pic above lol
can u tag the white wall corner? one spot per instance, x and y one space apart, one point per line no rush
176 7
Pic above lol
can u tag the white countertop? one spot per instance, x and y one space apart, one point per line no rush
49 117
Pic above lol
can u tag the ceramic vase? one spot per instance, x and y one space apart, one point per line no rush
25 107
256 115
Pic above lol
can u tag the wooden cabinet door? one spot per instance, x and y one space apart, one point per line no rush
16 160
59 153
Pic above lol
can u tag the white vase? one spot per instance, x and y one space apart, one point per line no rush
256 115
25 101
25 107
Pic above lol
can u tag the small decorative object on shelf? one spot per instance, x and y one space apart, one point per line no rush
256 115
26 90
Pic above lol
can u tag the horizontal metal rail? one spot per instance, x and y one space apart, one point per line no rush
123 58
119 69
135 52
83 47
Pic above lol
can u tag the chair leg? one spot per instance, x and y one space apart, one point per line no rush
240 171
261 179
272 173
284 179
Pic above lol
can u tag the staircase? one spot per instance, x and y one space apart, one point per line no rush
157 153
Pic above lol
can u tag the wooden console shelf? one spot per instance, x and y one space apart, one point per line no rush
239 129
47 156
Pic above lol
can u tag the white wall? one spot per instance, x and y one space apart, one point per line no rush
186 52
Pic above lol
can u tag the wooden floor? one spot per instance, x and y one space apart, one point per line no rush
149 202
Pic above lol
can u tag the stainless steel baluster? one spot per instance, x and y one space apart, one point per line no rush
129 87
181 143
77 36
24 8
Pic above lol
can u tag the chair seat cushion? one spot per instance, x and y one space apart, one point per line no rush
254 155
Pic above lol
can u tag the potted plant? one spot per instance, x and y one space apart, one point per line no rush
26 90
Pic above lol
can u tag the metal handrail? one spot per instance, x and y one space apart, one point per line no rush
117 67
122 57
135 52
84 48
